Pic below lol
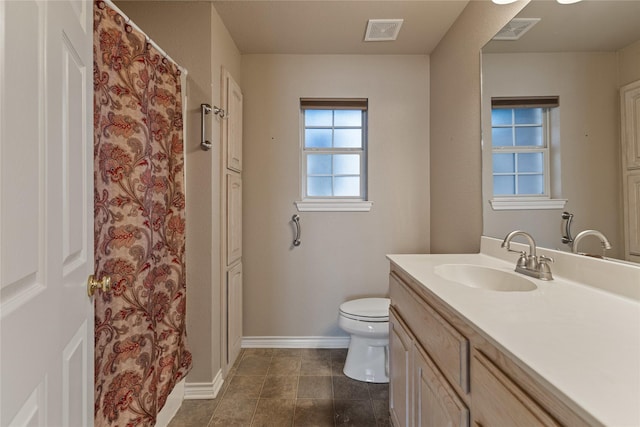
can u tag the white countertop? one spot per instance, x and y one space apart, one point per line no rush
583 341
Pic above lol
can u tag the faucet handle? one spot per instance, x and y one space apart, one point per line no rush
544 270
522 261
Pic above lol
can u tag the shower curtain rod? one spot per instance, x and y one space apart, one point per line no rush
148 39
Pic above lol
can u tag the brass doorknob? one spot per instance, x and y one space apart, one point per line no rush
93 284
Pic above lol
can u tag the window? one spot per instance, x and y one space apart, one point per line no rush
520 138
520 151
334 154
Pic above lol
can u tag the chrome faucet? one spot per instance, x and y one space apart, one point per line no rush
603 239
529 264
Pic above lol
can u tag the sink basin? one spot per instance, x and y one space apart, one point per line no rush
478 276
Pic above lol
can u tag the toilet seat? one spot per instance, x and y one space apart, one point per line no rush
366 309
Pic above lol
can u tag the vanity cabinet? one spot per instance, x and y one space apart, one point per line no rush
419 394
428 364
445 372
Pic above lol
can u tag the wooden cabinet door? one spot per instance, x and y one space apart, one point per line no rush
234 218
436 402
400 371
498 401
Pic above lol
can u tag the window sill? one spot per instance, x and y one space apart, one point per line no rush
520 204
333 206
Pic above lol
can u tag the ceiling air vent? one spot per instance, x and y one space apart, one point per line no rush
516 28
382 29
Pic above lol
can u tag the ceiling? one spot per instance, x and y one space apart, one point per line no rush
591 25
335 26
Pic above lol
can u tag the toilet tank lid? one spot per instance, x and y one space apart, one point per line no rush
367 307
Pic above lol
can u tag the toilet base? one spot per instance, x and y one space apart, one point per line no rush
368 359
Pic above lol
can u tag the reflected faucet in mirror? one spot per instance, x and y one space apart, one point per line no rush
529 264
573 243
603 240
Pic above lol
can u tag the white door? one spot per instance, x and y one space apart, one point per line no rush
46 213
231 205
630 112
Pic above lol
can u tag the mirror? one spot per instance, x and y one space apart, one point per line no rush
583 53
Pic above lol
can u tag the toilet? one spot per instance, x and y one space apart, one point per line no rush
367 320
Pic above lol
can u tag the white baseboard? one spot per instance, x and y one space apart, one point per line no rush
171 406
295 342
195 391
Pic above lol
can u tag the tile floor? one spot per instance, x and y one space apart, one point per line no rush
289 387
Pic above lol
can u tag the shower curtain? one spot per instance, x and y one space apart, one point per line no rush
139 202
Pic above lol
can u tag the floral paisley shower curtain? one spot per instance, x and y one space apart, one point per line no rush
140 336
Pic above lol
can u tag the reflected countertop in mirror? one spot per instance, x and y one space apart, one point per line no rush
583 53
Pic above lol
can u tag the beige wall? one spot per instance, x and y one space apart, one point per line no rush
456 206
193 35
296 291
629 63
585 157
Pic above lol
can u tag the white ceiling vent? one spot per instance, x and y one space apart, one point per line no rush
516 28
382 29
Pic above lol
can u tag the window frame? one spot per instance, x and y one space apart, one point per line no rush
334 203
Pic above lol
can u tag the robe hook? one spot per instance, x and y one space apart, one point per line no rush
217 111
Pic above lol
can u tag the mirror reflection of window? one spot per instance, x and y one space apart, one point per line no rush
520 137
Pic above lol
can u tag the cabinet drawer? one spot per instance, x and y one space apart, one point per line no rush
447 347
498 401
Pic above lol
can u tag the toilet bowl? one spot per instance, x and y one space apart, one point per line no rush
367 320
